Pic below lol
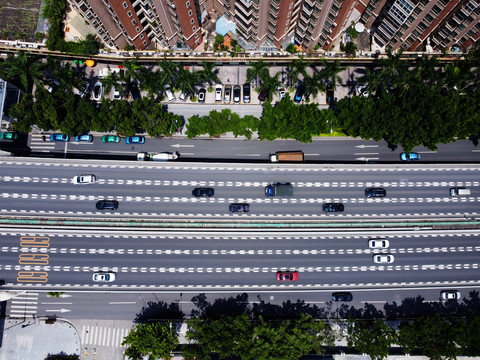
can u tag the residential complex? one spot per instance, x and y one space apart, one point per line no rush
269 25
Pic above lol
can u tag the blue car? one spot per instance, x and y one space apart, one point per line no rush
299 94
59 137
84 138
135 140
409 156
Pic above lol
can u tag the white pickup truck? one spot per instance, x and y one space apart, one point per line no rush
163 156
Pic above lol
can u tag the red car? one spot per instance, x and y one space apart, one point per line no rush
287 275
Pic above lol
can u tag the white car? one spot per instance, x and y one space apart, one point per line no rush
450 295
97 91
116 92
281 92
383 258
218 93
84 179
104 276
183 96
168 93
378 243
361 90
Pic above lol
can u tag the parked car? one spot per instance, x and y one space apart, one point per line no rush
246 93
168 93
383 258
263 95
107 205
102 276
361 91
330 96
201 95
239 207
110 139
84 138
342 296
134 91
9 135
375 192
84 179
227 94
84 89
183 97
299 94
59 137
332 207
287 275
97 91
378 243
117 95
409 156
135 140
218 93
281 92
203 192
237 94
450 295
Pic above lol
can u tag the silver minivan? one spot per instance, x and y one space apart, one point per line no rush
459 191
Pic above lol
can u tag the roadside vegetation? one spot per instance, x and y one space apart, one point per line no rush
406 103
233 328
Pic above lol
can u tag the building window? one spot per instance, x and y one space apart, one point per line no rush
196 35
188 5
141 36
288 22
145 43
194 28
190 13
138 29
192 21
290 7
134 22
125 5
129 13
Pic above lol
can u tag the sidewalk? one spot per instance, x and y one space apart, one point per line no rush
34 339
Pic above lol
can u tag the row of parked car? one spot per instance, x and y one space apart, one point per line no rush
105 139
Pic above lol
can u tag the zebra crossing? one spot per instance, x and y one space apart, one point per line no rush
103 336
24 305
37 144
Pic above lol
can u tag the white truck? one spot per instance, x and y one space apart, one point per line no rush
287 156
163 156
104 72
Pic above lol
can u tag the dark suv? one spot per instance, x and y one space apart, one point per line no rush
202 192
375 192
107 205
246 93
342 296
332 207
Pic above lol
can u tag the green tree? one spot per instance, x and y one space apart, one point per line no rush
468 335
154 340
23 70
111 81
133 71
371 337
209 73
168 71
297 68
435 336
330 72
313 85
269 84
257 69
186 81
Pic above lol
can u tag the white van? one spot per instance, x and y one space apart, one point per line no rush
218 93
459 191
169 94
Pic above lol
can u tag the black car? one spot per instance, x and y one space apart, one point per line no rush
134 91
239 207
342 296
332 207
246 93
201 95
299 94
330 96
263 95
107 205
375 192
202 192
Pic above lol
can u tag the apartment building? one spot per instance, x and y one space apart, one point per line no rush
412 25
143 24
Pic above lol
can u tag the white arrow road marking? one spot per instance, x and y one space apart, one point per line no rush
364 146
248 155
55 303
312 154
356 154
366 159
61 310
178 145
65 295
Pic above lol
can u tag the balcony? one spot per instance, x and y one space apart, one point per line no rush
310 2
246 20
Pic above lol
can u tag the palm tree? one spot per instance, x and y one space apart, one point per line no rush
208 74
394 68
313 85
133 71
153 83
269 84
168 71
257 69
330 72
297 68
24 70
110 82
186 81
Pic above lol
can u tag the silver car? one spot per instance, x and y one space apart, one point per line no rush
450 295
378 243
102 276
383 259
